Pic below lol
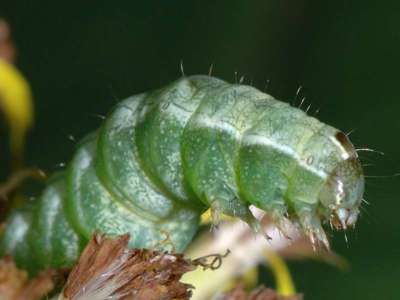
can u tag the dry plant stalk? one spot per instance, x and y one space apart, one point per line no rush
14 283
17 178
107 269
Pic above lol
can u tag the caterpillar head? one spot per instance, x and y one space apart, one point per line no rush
342 193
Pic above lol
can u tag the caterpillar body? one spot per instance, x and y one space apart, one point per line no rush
161 158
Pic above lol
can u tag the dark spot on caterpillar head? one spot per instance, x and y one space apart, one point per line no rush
346 144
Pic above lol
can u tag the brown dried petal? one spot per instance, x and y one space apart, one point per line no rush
108 268
14 284
12 280
38 287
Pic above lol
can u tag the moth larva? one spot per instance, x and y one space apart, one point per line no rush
161 158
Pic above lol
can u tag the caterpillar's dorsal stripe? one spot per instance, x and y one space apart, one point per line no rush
256 140
219 125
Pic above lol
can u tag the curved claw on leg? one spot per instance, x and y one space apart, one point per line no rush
215 218
283 226
282 223
313 229
256 225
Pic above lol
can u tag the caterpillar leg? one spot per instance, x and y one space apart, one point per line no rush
223 205
278 214
311 224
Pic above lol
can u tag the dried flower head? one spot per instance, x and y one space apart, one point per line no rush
107 269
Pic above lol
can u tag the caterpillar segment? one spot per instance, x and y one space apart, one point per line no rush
162 158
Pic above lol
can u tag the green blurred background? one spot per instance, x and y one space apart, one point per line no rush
82 56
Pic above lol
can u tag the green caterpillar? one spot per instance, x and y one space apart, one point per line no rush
161 158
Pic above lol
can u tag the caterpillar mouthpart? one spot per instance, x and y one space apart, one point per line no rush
342 194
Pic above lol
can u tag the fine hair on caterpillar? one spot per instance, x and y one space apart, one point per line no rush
163 157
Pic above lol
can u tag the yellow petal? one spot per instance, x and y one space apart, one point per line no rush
16 104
